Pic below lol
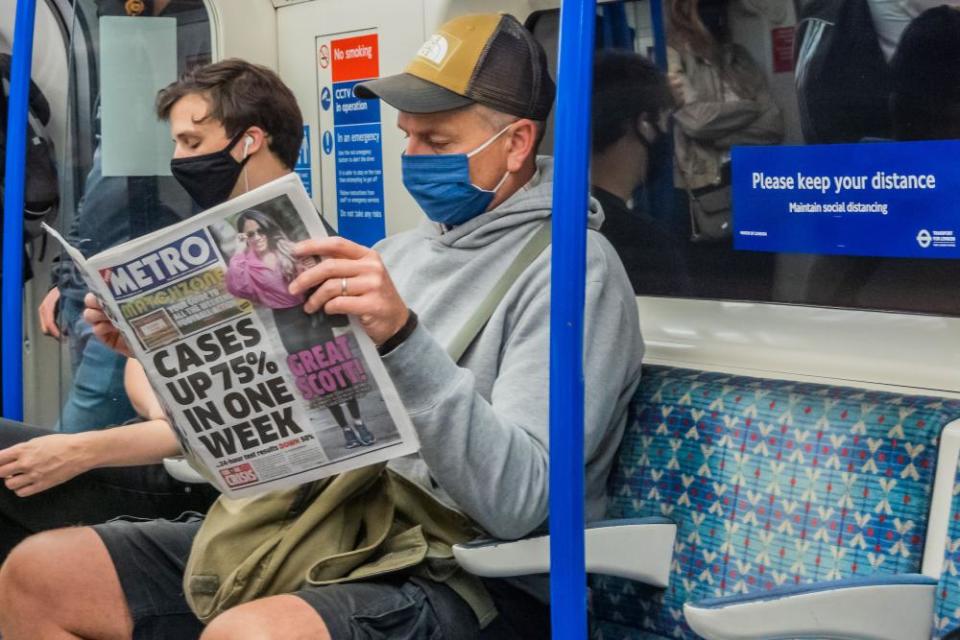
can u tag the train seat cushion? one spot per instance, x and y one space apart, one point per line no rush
878 607
771 483
947 618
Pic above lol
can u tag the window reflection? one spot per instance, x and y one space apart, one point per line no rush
860 73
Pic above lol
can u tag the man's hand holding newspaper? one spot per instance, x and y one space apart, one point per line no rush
352 280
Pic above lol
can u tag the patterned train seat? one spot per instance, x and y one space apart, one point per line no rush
771 483
947 620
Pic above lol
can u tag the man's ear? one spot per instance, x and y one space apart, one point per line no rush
522 144
258 140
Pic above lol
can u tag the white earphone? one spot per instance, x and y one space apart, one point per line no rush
247 141
648 131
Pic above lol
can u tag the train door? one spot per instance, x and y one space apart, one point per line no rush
105 65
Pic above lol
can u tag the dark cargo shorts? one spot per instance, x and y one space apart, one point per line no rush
150 557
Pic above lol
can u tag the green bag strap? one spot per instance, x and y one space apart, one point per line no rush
469 332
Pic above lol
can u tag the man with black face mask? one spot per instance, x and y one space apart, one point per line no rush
236 126
631 103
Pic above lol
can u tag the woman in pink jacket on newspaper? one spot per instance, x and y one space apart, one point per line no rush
261 273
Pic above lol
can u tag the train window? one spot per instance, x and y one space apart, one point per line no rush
117 179
669 154
126 99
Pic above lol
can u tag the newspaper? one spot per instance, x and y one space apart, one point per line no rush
261 394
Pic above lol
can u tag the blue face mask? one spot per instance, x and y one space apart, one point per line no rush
441 185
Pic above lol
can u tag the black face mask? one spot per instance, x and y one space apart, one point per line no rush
659 178
209 178
658 152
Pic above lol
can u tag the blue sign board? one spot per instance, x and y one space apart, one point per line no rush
884 199
359 165
304 168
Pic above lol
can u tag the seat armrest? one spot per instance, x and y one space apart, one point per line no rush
883 607
639 549
181 470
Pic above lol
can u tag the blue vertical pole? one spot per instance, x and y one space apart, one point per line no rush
12 291
568 580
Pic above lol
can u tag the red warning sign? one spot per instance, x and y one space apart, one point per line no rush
782 40
356 58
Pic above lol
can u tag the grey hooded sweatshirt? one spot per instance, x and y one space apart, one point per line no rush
484 423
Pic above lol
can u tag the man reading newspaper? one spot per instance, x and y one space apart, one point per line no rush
472 104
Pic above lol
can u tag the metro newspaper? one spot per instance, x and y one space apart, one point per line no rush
261 394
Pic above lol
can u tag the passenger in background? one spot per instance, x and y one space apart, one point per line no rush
41 194
631 104
891 18
723 101
925 105
926 78
842 75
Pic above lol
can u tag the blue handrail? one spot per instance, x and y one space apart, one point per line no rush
12 293
568 580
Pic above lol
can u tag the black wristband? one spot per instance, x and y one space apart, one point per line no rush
400 336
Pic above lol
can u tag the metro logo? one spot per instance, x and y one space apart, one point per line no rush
356 58
184 256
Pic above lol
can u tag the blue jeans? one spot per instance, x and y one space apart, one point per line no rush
97 398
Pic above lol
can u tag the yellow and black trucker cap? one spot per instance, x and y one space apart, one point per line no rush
490 59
